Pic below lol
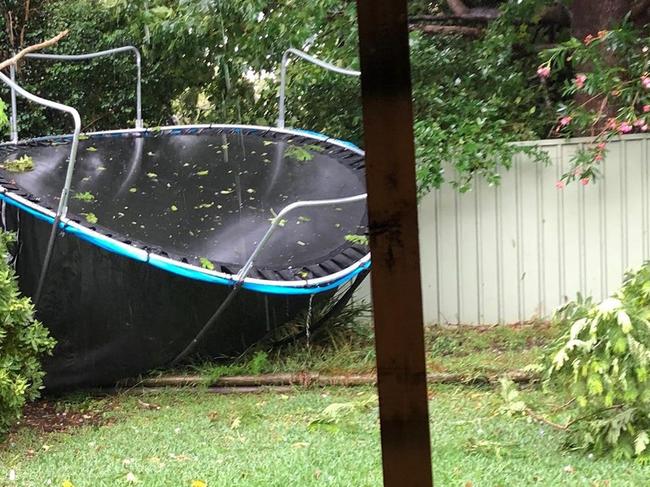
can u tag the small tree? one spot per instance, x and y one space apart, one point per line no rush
23 341
603 359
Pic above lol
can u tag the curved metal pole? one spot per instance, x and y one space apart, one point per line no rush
108 52
62 209
243 272
14 114
241 275
311 59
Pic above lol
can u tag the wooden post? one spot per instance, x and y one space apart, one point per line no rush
393 225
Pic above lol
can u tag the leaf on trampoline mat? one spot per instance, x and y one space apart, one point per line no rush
152 175
202 173
313 147
133 190
91 149
173 208
22 164
86 196
298 153
206 264
268 142
204 205
90 217
226 191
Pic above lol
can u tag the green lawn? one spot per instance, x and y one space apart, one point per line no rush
286 440
471 351
319 437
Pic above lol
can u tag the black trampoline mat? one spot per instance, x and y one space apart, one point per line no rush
208 195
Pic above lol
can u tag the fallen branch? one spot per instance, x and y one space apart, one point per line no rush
448 30
307 379
35 47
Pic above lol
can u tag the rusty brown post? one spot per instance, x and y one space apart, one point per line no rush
393 224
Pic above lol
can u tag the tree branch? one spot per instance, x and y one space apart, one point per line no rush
458 7
639 9
448 30
556 14
35 47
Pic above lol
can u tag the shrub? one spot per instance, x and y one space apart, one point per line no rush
604 358
23 341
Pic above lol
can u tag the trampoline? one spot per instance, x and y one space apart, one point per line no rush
142 247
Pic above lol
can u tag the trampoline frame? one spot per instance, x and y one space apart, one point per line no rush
283 76
80 57
59 219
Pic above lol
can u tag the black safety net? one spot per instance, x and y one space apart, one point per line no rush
192 194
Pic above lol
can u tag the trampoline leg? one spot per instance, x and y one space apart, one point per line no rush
46 261
208 325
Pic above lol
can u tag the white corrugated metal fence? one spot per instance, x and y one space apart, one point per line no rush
515 252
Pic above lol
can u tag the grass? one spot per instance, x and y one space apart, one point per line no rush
315 437
298 439
350 349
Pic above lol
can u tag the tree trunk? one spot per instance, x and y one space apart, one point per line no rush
589 16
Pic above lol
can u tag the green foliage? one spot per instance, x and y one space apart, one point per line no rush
90 218
85 196
610 98
472 99
298 153
3 115
603 357
357 239
23 341
22 164
206 263
217 61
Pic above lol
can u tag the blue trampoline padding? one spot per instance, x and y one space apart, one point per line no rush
338 141
197 274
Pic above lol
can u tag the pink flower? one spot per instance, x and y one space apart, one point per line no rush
598 157
589 39
577 172
638 123
564 121
544 71
584 181
645 81
612 124
646 108
601 146
580 80
644 128
560 184
625 128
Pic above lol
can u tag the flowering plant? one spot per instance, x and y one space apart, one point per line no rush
609 92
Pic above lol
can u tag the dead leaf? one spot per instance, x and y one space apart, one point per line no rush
147 405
